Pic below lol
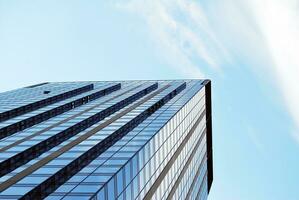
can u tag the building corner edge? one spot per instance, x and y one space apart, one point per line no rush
208 98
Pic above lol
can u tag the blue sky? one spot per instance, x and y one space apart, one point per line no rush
249 49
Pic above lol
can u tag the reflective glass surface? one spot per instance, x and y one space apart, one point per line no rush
147 139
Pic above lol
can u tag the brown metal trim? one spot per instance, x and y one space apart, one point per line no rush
36 150
165 170
196 176
23 157
60 177
65 148
178 181
63 121
193 86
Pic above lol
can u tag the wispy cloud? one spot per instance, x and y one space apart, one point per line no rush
182 33
257 29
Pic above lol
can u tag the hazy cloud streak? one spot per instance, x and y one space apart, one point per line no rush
255 29
181 32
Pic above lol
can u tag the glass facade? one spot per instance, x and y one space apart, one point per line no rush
107 140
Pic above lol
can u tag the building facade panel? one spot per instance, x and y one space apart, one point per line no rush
121 140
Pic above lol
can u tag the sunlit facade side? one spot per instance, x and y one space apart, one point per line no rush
107 140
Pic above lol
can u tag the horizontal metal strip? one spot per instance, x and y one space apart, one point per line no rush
57 179
31 121
42 103
165 170
63 121
25 156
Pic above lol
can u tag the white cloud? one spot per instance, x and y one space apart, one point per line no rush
181 32
273 27
279 24
216 32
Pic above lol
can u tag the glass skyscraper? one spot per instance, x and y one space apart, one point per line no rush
107 140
